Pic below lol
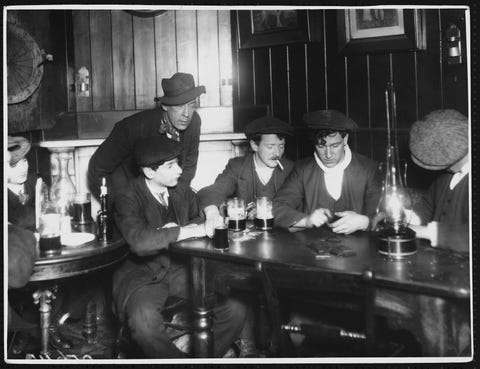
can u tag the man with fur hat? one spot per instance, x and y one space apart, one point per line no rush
335 187
440 142
152 212
175 119
260 173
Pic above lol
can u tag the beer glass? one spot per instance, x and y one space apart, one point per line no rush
236 214
264 214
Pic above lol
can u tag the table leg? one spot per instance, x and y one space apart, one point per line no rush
43 297
202 314
90 323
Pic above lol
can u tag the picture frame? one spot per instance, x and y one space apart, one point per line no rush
263 28
375 30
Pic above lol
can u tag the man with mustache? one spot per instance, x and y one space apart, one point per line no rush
260 173
335 187
177 119
152 212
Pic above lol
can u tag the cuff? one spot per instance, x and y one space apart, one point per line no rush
432 229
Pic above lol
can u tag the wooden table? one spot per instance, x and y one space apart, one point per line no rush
73 261
430 272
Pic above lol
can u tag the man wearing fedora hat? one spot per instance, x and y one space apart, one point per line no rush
335 187
152 212
440 142
260 173
175 119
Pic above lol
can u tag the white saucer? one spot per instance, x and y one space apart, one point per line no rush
76 238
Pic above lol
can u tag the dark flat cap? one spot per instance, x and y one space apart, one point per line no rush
329 119
268 125
18 147
439 140
156 150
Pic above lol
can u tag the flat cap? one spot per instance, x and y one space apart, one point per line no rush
18 147
155 150
329 119
439 140
267 125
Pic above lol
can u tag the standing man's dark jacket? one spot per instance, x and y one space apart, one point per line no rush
114 157
238 179
139 219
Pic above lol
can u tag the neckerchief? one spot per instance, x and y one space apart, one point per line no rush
167 128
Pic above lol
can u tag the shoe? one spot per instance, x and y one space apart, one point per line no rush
247 348
58 340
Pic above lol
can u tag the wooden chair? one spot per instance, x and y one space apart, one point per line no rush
327 288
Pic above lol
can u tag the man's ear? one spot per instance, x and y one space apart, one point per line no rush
148 172
254 146
164 107
345 139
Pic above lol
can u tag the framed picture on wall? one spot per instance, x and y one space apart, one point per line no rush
263 28
374 30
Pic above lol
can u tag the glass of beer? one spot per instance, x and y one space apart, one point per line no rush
49 231
264 215
82 208
236 214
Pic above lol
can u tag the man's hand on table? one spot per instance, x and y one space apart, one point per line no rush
213 219
349 222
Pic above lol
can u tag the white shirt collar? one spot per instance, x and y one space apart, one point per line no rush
16 188
458 176
156 193
264 173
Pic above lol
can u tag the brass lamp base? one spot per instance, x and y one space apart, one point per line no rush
396 244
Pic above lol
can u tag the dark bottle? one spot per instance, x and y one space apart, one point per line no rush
104 220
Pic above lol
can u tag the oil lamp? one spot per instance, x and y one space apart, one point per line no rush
393 236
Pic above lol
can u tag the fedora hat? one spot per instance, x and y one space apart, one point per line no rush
18 147
180 89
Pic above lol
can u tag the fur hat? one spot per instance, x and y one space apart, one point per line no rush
329 119
267 125
18 147
180 89
440 139
156 150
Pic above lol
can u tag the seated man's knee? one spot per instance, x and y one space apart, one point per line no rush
143 318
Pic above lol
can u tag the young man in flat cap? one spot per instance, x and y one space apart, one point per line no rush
440 142
334 182
176 119
152 212
260 173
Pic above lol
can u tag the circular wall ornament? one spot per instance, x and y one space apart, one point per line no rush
24 64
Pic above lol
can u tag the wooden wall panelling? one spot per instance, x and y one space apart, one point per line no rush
358 101
208 56
429 67
165 47
144 59
279 87
187 48
81 31
379 76
101 45
297 83
405 84
261 76
315 77
336 93
225 57
245 77
456 79
123 66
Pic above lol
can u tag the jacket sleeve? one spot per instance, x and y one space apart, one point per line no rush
373 191
224 187
453 236
192 142
194 214
142 238
21 256
425 207
109 155
287 203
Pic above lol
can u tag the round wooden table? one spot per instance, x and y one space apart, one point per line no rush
73 261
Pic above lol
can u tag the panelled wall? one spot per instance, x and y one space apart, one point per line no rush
127 57
297 78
